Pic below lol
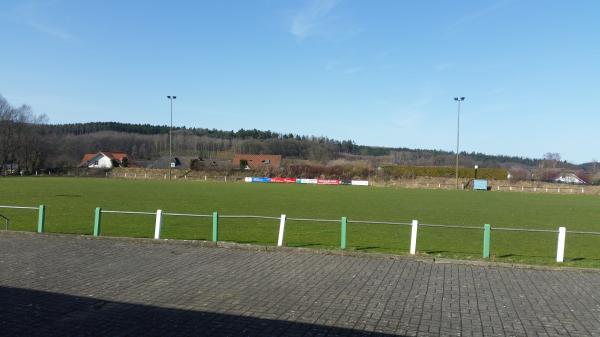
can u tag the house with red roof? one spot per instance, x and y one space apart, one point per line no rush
105 160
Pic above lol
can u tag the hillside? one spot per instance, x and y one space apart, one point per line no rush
147 142
29 143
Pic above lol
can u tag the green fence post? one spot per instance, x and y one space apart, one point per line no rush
486 241
97 221
41 218
343 240
215 231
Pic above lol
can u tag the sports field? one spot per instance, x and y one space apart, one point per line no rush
70 206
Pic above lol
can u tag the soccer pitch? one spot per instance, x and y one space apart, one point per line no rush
70 204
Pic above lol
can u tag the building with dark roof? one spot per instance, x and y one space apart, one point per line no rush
256 161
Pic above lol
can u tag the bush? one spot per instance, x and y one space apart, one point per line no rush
443 171
326 172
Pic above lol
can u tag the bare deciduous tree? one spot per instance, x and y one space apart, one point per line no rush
552 159
20 146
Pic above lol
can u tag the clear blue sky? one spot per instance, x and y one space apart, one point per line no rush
380 73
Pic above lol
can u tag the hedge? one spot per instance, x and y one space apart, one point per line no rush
447 172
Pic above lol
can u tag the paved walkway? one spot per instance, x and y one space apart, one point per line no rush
76 286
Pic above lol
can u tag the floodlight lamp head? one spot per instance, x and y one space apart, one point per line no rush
175 97
462 98
168 97
456 98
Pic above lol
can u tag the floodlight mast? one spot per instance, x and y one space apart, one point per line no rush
171 98
458 101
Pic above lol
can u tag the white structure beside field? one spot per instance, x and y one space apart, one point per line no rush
570 178
104 160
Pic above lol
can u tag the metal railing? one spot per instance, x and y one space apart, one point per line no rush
370 222
41 214
164 176
6 221
312 220
128 212
19 207
569 189
343 221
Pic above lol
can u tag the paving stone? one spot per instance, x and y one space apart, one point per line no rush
60 285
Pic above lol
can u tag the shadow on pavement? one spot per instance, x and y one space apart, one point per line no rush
25 312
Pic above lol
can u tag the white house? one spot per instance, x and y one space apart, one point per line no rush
105 160
570 178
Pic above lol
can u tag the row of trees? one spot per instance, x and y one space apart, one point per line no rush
269 142
20 141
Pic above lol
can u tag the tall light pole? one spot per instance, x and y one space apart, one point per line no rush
171 98
458 100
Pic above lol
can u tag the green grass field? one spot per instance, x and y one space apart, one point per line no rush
70 206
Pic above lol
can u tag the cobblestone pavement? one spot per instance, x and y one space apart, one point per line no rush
77 286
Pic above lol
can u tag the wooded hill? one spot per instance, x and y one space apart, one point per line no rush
147 142
30 143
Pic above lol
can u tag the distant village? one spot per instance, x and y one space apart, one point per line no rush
107 160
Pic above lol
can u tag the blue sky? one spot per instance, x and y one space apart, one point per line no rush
380 73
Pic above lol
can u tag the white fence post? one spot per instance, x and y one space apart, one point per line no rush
413 237
560 250
281 231
158 224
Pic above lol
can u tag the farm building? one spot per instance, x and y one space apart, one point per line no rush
256 161
570 178
106 160
209 164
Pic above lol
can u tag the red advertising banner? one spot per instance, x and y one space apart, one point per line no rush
306 181
283 180
328 182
